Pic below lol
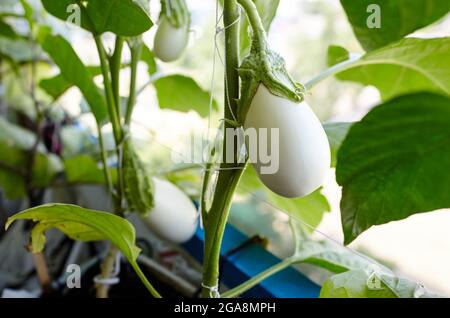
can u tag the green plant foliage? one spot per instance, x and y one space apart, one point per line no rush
393 163
267 10
397 19
408 66
80 224
7 31
182 93
370 283
309 209
336 133
15 144
57 85
330 256
336 54
122 17
74 71
137 182
84 169
148 58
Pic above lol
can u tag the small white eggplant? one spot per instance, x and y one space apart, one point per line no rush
170 41
304 151
174 216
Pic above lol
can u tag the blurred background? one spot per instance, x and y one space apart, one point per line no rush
416 248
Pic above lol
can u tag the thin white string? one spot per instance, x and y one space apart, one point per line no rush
213 290
114 278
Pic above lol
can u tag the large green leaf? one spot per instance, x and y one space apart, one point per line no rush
371 283
336 133
182 93
395 163
122 17
398 19
267 10
408 66
80 224
74 71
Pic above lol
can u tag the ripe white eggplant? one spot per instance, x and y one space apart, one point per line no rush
174 216
304 151
170 41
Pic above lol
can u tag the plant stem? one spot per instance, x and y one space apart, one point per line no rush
144 280
108 263
106 270
104 157
333 70
116 60
114 117
228 179
259 34
259 278
135 57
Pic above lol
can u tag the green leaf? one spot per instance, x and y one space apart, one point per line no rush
57 85
182 93
309 209
336 133
337 54
148 57
371 283
397 19
330 256
28 10
408 66
13 160
122 17
74 71
267 10
84 169
11 182
7 31
394 163
15 144
80 224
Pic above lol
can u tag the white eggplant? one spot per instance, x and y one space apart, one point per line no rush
304 151
170 41
174 215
